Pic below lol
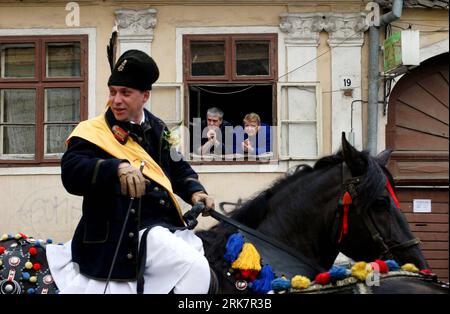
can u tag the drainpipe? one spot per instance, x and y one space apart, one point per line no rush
374 35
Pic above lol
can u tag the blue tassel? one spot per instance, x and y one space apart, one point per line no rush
264 282
280 284
338 273
392 265
234 247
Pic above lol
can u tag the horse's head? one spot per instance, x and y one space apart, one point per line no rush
374 225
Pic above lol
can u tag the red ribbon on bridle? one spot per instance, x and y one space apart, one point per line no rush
391 191
346 202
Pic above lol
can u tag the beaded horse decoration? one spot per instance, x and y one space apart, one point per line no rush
23 266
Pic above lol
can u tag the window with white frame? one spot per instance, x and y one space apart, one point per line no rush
43 87
300 116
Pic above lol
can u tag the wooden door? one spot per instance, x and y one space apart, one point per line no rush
417 131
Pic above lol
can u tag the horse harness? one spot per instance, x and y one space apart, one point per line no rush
350 188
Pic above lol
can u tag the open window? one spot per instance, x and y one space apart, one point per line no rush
235 73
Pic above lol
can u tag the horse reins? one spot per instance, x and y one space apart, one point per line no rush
350 184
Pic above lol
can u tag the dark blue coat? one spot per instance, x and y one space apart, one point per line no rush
89 171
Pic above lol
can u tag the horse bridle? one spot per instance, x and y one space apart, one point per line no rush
350 186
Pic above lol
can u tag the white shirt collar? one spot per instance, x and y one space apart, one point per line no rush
142 120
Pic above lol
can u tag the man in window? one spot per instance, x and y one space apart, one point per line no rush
214 139
120 162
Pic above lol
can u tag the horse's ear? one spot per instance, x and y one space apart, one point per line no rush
352 157
383 157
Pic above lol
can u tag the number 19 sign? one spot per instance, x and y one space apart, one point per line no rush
347 82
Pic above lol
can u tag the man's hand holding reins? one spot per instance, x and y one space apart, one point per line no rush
201 196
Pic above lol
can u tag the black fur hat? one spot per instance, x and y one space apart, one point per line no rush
134 69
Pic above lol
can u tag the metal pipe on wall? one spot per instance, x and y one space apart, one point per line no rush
373 88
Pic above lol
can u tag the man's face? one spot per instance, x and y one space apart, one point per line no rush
214 121
127 103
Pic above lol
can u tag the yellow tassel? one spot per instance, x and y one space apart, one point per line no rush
249 258
300 282
361 270
410 267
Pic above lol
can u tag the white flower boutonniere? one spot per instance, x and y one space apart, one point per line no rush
172 136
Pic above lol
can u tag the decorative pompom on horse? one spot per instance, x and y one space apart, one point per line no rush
263 279
23 266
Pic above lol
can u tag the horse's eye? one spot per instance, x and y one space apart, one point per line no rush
381 204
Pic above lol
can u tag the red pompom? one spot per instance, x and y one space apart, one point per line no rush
36 266
426 272
383 266
32 251
323 278
249 274
253 275
245 273
23 236
2 249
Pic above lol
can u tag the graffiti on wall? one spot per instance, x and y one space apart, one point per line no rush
43 212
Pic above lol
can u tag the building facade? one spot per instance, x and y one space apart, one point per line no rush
301 65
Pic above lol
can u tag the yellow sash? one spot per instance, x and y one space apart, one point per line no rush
97 132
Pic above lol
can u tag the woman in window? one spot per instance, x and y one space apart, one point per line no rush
257 139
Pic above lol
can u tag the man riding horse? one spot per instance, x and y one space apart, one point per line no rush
127 233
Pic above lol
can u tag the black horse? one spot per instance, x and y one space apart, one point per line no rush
303 213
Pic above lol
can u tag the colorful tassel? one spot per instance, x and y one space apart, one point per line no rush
280 284
264 282
233 247
248 274
361 270
322 278
410 267
338 273
382 266
393 266
249 258
426 272
300 282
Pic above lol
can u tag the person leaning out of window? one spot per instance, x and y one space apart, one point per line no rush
257 137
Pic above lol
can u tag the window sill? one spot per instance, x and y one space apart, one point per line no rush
240 167
25 171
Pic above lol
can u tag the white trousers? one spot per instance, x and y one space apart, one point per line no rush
174 261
